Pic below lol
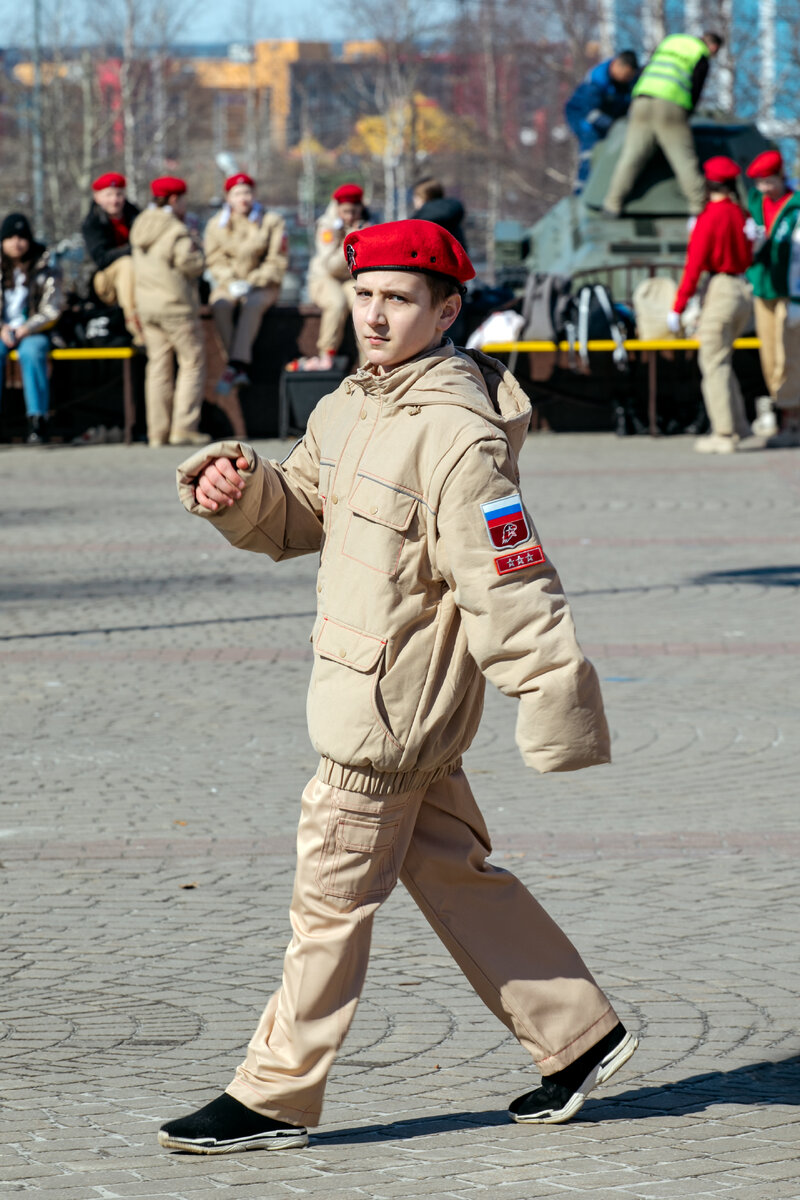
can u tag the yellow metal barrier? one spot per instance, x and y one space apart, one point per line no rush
89 353
746 343
125 353
649 349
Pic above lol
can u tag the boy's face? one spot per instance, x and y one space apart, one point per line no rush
395 318
111 200
349 214
773 186
241 199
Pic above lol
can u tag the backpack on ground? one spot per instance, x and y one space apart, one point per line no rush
545 305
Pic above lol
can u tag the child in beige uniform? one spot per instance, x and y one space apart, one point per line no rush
432 579
167 262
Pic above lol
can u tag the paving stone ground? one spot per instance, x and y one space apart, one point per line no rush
153 752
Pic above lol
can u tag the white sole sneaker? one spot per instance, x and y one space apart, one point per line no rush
279 1139
608 1066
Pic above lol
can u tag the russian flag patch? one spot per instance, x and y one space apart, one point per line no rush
506 522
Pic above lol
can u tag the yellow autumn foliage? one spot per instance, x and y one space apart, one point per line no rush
436 131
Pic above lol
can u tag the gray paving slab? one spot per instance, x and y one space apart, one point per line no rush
153 752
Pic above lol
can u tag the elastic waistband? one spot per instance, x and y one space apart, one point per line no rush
369 782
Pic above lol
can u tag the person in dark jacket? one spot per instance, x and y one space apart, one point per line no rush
601 99
106 232
30 304
431 204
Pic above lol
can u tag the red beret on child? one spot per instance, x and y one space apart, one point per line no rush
168 185
110 179
349 193
232 181
408 246
721 169
766 164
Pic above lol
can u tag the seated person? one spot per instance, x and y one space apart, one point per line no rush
329 284
106 231
246 256
431 204
601 99
30 293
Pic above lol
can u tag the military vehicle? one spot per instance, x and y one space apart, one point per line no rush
576 239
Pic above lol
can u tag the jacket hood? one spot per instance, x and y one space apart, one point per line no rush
150 225
466 378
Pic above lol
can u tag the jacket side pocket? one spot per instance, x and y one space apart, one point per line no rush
358 862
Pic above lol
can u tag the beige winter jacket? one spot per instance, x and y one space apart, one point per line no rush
389 483
252 250
167 261
328 256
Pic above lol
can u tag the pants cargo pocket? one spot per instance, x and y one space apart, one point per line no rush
359 858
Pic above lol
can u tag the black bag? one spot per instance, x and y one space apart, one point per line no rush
592 317
87 323
300 392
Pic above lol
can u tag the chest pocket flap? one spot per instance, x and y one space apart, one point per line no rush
383 503
355 649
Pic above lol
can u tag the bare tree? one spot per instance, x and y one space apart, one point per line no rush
400 29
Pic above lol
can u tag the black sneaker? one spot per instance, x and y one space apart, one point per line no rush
225 1126
563 1094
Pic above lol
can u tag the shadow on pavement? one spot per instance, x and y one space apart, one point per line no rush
205 621
755 1086
787 576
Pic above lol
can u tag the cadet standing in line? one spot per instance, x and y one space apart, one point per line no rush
775 276
329 284
432 577
719 245
664 97
167 263
601 99
246 255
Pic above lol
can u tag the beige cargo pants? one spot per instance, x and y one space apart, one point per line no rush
654 122
726 312
173 405
780 351
334 297
237 339
351 849
114 285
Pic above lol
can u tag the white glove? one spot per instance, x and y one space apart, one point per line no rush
755 233
674 322
690 224
337 223
238 288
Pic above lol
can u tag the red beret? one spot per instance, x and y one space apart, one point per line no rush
721 169
408 246
110 179
232 181
168 185
349 193
766 164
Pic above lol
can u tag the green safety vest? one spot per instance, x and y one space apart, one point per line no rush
668 75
